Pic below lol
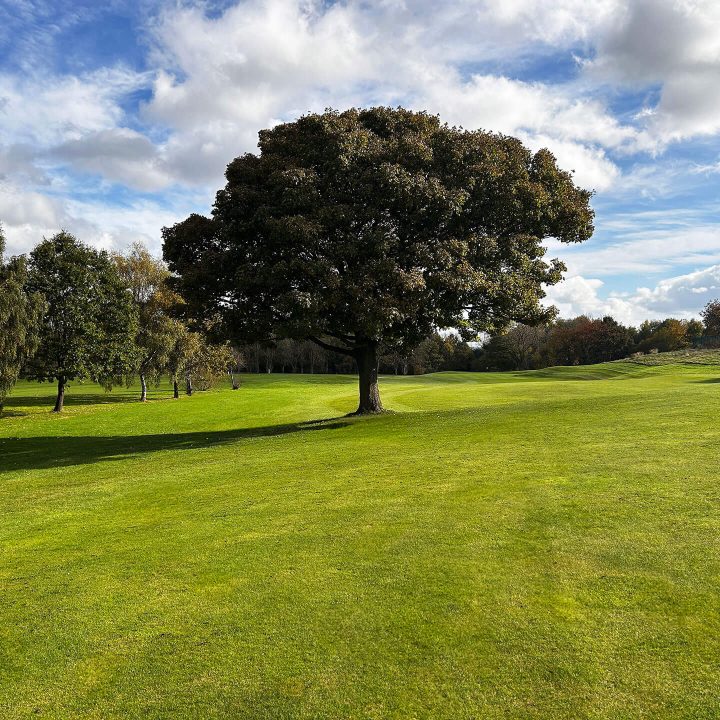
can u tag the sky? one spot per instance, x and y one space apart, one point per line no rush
118 118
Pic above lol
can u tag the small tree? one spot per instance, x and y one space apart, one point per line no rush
185 345
20 317
211 364
90 322
366 230
146 278
199 363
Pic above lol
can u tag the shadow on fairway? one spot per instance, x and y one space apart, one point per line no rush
36 453
48 401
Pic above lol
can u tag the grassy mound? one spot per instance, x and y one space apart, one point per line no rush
521 545
690 356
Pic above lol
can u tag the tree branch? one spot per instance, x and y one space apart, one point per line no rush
332 348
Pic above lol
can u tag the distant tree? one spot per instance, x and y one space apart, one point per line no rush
236 365
427 357
665 335
207 365
90 322
457 354
396 362
583 341
20 318
269 355
288 354
146 277
313 357
526 347
366 230
711 319
695 330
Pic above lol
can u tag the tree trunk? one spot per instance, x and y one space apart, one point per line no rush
143 388
188 385
60 401
367 362
176 389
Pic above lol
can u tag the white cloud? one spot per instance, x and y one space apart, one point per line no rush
46 110
117 154
679 243
674 44
578 295
682 297
28 216
263 61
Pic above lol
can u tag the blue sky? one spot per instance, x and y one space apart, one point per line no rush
117 118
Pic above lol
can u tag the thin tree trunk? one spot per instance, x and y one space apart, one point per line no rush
188 385
367 362
176 389
60 401
143 388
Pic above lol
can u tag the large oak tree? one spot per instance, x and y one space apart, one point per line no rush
365 230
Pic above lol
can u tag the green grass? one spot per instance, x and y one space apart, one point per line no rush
519 545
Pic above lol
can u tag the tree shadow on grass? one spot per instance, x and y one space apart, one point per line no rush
101 398
709 381
37 453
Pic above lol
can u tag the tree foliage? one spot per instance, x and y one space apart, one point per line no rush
158 330
711 318
20 317
663 335
90 322
366 230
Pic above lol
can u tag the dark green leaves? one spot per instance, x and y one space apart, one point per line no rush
378 226
90 322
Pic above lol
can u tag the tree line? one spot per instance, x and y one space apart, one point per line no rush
577 341
70 312
584 341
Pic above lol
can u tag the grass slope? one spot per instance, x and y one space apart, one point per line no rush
689 356
519 545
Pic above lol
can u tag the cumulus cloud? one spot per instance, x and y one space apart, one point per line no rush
223 78
674 45
44 110
682 297
28 216
214 79
118 154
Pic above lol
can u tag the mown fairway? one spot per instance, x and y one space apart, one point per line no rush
535 545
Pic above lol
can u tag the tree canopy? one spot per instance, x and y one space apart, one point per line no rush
20 315
365 230
711 318
90 322
157 330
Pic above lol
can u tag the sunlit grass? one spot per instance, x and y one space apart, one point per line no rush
520 545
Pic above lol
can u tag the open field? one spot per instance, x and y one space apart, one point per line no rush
520 545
